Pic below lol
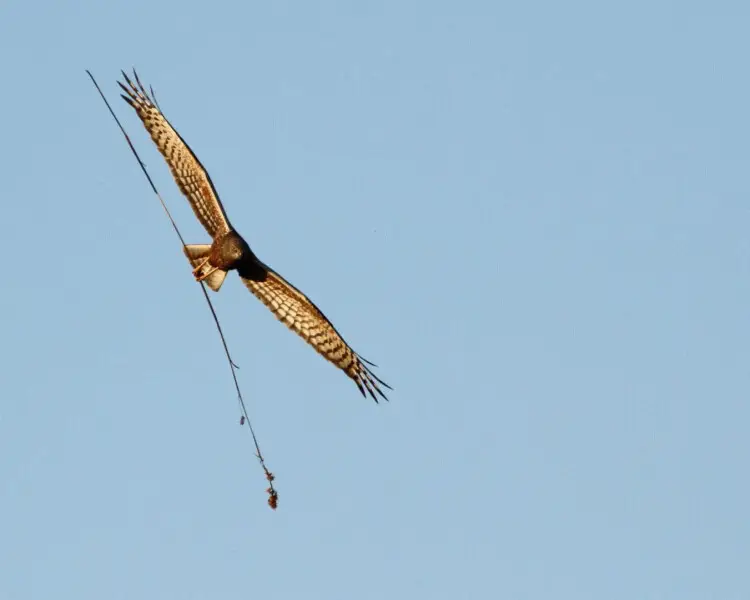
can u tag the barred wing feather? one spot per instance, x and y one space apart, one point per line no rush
190 175
298 312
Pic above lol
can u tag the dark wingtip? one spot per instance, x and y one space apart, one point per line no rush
369 362
153 97
124 88
365 377
381 394
380 381
374 379
372 386
368 384
138 81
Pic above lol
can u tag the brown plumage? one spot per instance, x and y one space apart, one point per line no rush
229 251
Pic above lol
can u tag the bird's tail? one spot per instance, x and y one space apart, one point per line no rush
198 254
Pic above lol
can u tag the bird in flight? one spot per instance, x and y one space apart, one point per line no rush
229 251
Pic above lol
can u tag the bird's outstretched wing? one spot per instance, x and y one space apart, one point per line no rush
190 175
297 312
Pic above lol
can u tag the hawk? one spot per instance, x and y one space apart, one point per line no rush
228 251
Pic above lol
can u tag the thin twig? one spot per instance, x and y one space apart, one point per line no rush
272 494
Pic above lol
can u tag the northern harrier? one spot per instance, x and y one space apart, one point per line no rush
229 251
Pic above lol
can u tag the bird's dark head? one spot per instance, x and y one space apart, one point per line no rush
229 251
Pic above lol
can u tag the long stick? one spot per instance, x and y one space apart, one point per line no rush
273 496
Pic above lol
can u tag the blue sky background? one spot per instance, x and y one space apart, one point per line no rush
533 216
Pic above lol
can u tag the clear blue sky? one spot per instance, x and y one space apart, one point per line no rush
533 216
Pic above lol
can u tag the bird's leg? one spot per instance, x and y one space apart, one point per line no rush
200 274
199 268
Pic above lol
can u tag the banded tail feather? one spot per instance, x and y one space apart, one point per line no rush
198 255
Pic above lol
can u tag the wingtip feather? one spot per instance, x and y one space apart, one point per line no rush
138 81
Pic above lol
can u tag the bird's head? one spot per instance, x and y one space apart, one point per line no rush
232 250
